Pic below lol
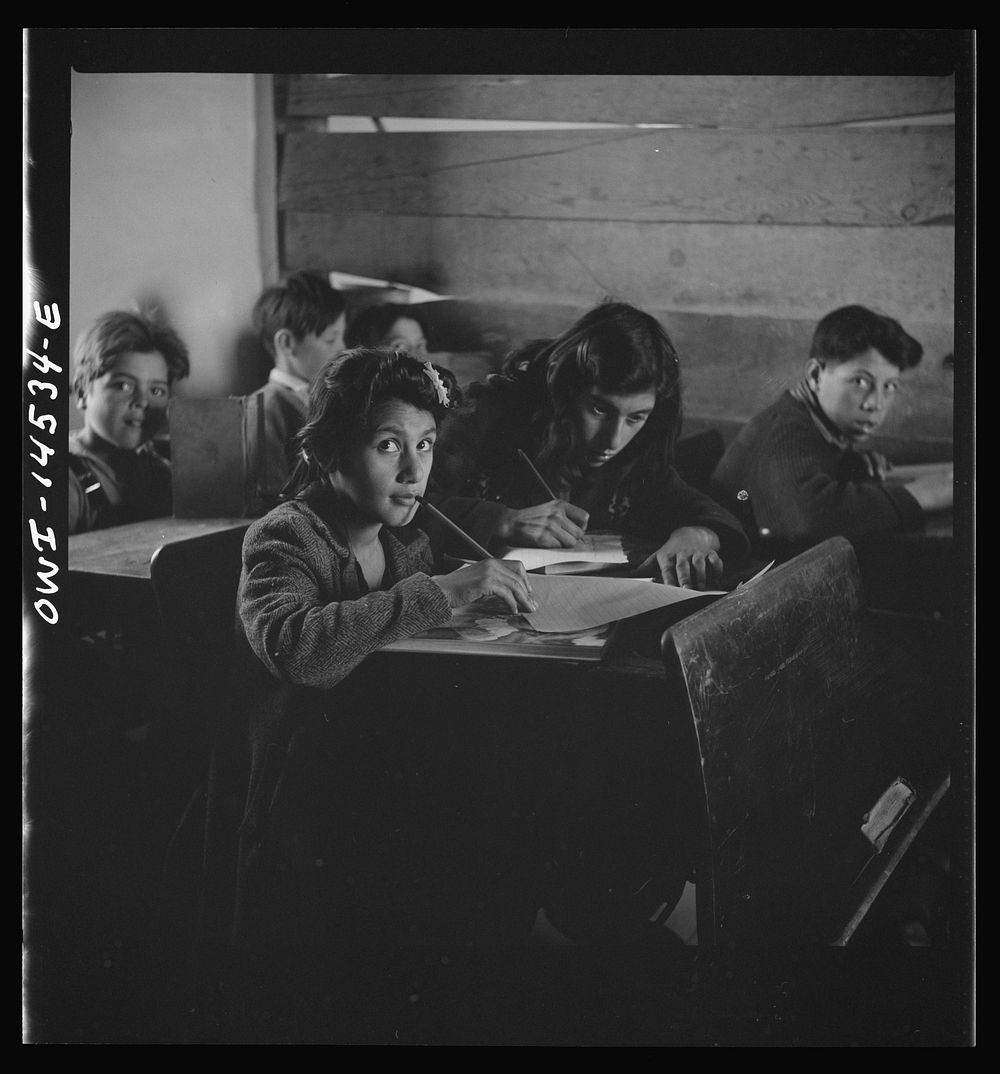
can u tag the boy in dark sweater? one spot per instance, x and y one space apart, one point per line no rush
802 459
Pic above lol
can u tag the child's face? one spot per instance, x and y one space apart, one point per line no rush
606 423
855 395
407 335
382 475
307 356
126 404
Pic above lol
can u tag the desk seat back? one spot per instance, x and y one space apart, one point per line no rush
774 677
195 582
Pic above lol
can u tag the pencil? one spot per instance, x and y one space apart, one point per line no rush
457 530
541 480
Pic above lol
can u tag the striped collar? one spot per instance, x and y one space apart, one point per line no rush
803 394
875 463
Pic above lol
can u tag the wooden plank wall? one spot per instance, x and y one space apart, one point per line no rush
775 200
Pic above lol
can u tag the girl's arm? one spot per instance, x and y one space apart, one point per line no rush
299 621
480 441
668 504
689 558
699 537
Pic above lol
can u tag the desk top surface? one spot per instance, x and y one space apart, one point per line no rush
127 551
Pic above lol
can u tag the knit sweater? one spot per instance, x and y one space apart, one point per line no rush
804 486
478 474
303 604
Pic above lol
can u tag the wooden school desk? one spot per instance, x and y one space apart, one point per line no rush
913 573
110 570
576 746
599 753
167 587
606 781
127 551
119 742
631 775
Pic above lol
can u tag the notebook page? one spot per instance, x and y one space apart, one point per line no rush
569 603
592 548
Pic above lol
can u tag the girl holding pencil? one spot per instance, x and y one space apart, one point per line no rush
578 432
356 832
342 549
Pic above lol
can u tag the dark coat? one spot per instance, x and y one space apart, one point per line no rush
478 473
803 486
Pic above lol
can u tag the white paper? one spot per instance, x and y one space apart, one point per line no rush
402 292
568 603
903 475
593 548
761 572
583 566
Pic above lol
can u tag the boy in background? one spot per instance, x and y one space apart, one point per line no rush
126 365
802 459
389 325
300 323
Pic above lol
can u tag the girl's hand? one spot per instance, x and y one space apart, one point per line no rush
689 559
556 524
504 578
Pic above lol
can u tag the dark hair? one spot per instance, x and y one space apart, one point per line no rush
614 347
851 330
370 327
122 332
303 302
343 401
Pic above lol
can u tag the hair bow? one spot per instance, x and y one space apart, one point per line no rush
439 385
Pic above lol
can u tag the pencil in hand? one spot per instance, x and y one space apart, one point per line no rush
457 530
541 480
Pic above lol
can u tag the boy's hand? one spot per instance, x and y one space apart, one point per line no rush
556 524
504 578
689 559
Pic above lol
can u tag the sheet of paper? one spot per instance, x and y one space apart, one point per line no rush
402 292
903 475
581 566
569 603
593 548
761 572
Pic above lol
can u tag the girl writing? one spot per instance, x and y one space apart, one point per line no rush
337 570
361 833
598 410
